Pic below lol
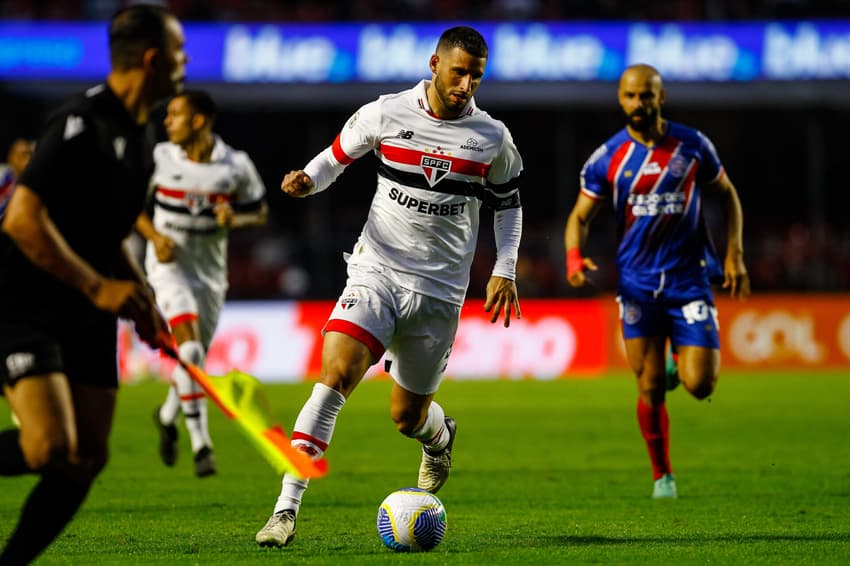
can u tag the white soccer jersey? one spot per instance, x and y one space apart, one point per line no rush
433 175
185 194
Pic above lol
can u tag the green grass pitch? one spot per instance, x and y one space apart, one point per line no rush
545 473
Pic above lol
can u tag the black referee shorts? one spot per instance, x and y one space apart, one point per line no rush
86 353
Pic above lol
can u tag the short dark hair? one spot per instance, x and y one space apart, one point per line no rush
466 38
200 102
133 30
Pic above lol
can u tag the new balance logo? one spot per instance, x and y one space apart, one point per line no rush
404 134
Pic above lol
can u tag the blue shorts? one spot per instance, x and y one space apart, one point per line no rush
690 322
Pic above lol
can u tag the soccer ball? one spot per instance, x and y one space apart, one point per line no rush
411 519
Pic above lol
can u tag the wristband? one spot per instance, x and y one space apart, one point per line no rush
575 263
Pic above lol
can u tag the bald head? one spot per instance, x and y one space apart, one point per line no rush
641 74
641 95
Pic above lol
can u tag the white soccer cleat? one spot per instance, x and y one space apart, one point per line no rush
278 531
435 467
665 487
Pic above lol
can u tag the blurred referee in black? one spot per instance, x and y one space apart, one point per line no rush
65 277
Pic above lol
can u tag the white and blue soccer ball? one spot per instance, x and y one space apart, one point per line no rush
411 520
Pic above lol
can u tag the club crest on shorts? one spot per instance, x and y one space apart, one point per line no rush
349 300
631 313
434 168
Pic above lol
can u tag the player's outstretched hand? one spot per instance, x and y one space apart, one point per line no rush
579 278
164 247
502 296
735 276
297 184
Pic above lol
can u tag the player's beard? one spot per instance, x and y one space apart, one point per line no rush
445 96
642 120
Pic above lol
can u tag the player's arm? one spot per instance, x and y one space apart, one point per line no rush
575 235
250 208
29 225
241 217
358 137
502 195
735 276
162 244
502 294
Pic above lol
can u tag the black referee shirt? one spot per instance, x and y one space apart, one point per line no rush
91 169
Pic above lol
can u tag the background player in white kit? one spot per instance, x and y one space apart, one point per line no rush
439 157
202 189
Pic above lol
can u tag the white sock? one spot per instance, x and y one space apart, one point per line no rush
192 399
312 433
433 433
170 408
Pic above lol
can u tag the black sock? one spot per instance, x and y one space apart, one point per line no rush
12 461
51 505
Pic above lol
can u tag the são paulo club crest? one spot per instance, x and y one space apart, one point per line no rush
349 300
435 168
196 202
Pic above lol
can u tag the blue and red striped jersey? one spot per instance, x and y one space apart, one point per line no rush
655 192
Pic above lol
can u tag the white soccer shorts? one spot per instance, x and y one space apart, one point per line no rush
178 296
416 330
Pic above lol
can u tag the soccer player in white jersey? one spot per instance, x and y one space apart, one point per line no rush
439 158
202 189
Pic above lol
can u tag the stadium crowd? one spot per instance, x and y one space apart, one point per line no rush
440 10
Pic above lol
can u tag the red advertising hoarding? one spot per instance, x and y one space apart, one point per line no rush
281 341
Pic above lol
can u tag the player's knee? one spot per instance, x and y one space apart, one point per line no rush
45 450
651 387
700 386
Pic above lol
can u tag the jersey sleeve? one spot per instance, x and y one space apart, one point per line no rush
503 177
710 167
62 150
594 175
358 137
251 189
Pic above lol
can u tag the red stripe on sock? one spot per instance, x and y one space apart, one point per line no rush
655 427
312 439
192 396
181 318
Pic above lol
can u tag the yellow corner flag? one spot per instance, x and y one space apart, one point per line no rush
241 398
